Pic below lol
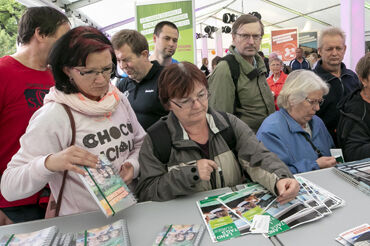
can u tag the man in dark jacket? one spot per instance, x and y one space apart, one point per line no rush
140 87
332 70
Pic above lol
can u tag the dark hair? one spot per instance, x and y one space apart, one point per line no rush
215 60
72 49
363 66
178 80
134 39
46 18
246 19
160 25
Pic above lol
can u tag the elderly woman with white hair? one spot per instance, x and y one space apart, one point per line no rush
298 137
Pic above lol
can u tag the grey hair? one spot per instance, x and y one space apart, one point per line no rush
297 86
331 31
275 59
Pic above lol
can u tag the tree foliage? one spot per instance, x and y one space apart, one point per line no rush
10 13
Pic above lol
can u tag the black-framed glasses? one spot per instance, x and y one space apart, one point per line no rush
189 102
93 74
247 36
315 102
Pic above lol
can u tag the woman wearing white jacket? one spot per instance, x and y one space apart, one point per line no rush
82 62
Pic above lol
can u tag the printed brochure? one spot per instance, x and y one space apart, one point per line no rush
115 234
251 201
42 237
359 235
180 235
107 187
222 224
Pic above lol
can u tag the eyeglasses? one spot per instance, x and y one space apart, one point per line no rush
246 36
93 74
189 102
315 102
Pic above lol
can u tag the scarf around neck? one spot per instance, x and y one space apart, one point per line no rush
78 102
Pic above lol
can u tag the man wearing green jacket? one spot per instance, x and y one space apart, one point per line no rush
254 100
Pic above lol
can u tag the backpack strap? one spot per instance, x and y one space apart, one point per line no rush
229 136
73 126
161 139
235 73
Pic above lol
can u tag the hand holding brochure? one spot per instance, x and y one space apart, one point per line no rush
180 235
107 187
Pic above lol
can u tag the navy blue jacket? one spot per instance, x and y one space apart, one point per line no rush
143 96
295 64
338 89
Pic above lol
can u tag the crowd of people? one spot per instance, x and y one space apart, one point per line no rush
169 128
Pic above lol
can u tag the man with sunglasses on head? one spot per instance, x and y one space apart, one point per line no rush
140 87
25 79
238 84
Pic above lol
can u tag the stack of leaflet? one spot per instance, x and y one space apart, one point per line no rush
115 234
357 173
232 214
359 236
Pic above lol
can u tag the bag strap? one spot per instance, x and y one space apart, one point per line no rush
318 152
161 139
235 73
73 126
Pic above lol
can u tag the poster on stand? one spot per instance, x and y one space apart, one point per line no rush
308 39
181 13
284 43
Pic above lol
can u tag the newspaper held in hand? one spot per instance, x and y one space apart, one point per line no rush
107 187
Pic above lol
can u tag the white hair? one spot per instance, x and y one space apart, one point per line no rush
298 85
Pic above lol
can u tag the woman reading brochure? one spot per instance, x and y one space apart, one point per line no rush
82 62
200 156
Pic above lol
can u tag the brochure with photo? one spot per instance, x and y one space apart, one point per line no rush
307 196
64 239
42 238
250 201
221 223
109 235
359 235
357 173
107 187
329 199
180 235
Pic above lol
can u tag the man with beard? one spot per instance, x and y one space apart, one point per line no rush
246 95
332 70
140 87
165 38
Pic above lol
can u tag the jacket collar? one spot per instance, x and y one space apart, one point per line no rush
293 125
327 76
246 67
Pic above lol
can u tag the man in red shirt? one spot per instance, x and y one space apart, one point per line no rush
24 81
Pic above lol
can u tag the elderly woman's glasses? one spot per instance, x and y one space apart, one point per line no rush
315 102
93 74
188 103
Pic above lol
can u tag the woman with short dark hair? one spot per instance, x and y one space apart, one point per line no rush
200 155
82 63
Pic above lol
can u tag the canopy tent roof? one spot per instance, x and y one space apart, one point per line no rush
114 15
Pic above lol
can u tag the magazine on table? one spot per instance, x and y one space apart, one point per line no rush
180 235
221 223
307 196
42 237
357 173
107 187
115 234
64 239
359 235
250 201
329 199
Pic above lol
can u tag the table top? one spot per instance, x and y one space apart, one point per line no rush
324 231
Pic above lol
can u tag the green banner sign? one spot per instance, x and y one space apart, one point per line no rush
178 12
